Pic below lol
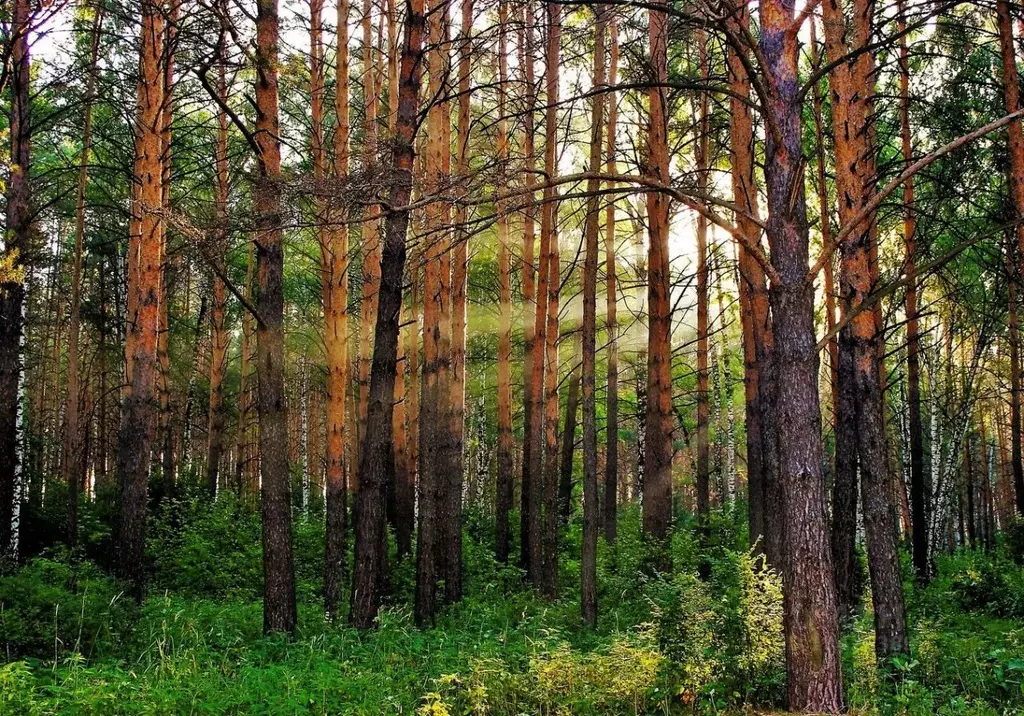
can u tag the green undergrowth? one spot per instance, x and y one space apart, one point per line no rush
672 642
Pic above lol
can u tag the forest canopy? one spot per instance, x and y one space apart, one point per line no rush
511 356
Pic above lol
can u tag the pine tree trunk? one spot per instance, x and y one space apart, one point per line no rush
852 110
279 612
611 474
534 301
549 226
334 277
753 295
657 479
813 668
165 422
218 332
77 458
430 547
703 297
503 497
591 515
137 415
1011 94
377 456
400 500
572 404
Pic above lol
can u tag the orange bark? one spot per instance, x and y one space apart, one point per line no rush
657 485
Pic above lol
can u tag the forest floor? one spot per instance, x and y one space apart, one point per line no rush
74 643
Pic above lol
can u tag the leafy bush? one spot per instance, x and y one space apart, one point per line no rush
624 677
52 606
206 548
991 584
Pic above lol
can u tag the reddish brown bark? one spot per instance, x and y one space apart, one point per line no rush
370 238
529 524
754 315
657 483
334 279
811 629
852 109
503 501
1011 97
549 226
218 334
137 414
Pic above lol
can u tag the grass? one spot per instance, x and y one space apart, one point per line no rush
665 643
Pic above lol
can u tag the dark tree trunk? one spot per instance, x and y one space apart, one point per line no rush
279 612
377 455
811 628
431 553
572 405
844 487
918 482
588 568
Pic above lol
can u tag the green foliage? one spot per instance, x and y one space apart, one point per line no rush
51 607
667 642
989 583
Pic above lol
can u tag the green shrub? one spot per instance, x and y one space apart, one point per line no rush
991 584
50 607
206 548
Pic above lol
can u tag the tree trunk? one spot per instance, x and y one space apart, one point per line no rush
811 628
77 457
334 279
753 292
218 333
549 227
1011 95
572 404
137 415
460 266
166 424
430 547
370 242
852 110
279 612
703 296
591 517
400 501
377 455
657 483
503 497
611 472
918 486
534 303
